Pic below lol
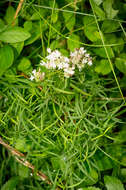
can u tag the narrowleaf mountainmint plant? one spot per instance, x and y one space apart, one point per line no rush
55 60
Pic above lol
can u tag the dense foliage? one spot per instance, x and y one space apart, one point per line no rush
70 128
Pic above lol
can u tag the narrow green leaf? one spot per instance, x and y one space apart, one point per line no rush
89 188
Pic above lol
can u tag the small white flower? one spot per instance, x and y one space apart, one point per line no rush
53 65
60 66
68 72
55 60
65 65
87 55
32 77
57 54
84 61
82 50
34 71
48 50
73 54
90 63
50 57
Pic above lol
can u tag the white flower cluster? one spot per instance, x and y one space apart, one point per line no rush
37 75
78 58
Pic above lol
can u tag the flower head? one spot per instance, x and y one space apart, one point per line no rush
55 60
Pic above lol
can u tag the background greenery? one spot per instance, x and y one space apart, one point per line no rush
73 130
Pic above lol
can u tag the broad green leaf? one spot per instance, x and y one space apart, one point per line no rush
93 177
36 32
6 58
35 35
120 47
73 42
123 174
37 16
72 4
54 44
103 67
21 145
64 52
120 63
107 5
2 25
10 184
54 16
14 35
102 53
123 160
57 27
24 64
28 25
110 26
102 161
113 39
54 13
92 33
113 183
120 137
59 162
18 48
99 12
69 19
90 29
9 16
98 2
88 20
